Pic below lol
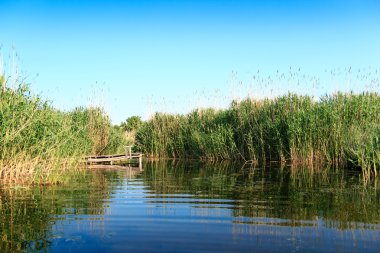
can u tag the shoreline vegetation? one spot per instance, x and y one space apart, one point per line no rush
43 145
340 131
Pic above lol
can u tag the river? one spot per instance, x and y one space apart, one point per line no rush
194 207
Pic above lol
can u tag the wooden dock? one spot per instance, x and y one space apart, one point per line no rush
127 158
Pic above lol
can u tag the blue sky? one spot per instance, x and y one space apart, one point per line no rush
137 57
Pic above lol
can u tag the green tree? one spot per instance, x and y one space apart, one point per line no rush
131 123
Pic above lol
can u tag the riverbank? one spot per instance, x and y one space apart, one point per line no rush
42 145
340 130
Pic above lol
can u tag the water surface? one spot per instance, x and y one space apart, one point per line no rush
187 207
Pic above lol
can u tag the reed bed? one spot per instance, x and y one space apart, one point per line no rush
40 143
340 130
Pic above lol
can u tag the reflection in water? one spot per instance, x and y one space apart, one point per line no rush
192 207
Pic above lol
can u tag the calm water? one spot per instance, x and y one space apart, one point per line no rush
194 208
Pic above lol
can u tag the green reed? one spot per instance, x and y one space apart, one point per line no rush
339 130
38 142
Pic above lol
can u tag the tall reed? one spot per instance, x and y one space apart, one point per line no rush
340 130
38 142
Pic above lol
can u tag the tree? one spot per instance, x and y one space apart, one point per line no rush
131 123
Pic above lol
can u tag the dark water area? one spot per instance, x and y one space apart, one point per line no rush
188 207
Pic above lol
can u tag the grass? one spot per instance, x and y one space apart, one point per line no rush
340 130
40 144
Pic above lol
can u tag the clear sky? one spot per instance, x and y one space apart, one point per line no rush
136 57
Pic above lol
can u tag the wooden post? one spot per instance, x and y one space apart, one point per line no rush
140 162
128 151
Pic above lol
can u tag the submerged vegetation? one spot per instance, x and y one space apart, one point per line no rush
340 130
39 143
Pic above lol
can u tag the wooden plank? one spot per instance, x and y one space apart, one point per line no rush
111 159
104 156
108 159
117 155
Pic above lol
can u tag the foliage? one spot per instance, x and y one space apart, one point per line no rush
340 130
38 141
131 123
